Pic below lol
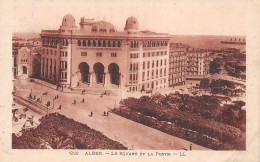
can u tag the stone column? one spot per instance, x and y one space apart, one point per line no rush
106 78
90 77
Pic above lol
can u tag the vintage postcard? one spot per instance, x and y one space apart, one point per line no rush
130 80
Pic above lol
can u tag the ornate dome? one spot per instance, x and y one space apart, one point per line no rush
68 21
132 24
103 27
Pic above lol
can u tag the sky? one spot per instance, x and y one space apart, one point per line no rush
180 17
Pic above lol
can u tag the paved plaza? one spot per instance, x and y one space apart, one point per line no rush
131 134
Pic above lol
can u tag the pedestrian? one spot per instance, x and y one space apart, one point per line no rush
57 97
104 113
83 100
74 102
59 107
107 113
91 114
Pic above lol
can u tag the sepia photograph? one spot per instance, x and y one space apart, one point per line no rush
148 75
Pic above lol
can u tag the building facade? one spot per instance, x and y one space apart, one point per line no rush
97 55
177 64
197 66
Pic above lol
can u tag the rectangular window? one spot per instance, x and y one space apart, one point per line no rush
143 65
65 75
84 53
143 76
130 78
99 54
66 54
143 54
148 65
113 54
147 75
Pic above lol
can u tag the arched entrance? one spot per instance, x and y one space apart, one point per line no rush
24 70
114 73
99 72
84 70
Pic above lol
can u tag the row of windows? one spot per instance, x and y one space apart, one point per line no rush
133 66
154 62
47 68
63 65
54 41
113 54
134 55
152 74
152 54
47 51
99 43
64 54
154 43
134 44
133 78
63 76
23 60
98 54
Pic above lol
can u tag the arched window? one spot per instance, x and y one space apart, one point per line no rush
109 44
119 44
94 43
84 42
89 42
114 43
66 42
104 43
79 43
99 43
132 44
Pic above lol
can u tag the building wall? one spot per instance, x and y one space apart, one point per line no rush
177 67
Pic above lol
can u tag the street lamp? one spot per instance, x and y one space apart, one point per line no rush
53 103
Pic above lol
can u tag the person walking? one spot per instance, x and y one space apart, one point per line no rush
83 100
104 113
91 114
107 113
59 107
74 102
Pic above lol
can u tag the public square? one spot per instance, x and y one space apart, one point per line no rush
131 134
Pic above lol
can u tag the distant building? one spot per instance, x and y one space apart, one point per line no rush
197 65
28 62
177 64
22 61
97 55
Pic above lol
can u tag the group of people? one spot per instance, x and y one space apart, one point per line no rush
59 88
106 113
82 101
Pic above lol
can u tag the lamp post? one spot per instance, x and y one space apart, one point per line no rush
53 103
41 93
